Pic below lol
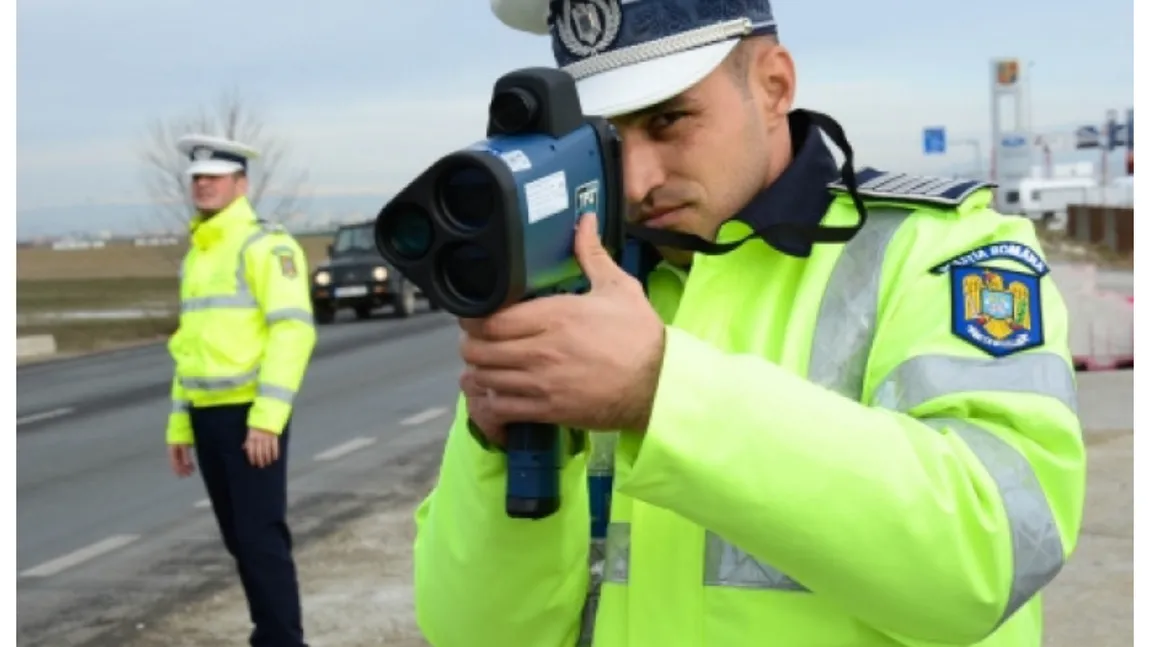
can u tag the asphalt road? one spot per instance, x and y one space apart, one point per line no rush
100 516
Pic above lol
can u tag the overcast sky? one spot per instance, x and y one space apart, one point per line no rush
367 92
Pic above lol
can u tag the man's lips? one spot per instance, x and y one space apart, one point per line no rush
661 218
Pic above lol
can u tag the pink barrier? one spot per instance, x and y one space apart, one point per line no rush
1101 322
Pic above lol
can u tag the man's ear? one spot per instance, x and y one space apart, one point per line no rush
773 71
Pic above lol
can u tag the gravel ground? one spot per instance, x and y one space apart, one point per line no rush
1091 603
355 582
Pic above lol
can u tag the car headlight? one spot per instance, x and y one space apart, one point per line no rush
379 274
322 277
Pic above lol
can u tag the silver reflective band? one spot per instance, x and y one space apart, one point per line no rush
289 314
274 392
180 406
245 301
1037 547
844 328
219 383
921 379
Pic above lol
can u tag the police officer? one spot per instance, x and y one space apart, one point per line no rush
242 348
843 399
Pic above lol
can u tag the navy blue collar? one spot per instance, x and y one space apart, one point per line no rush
800 195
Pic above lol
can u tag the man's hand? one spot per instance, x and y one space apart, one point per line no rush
262 447
587 361
180 458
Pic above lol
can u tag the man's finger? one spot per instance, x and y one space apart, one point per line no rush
510 382
596 262
265 452
513 407
472 327
516 322
512 354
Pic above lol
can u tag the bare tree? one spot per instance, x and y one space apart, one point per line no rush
269 176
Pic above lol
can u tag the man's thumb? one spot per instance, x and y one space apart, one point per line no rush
596 262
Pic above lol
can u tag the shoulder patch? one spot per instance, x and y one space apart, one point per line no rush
995 310
942 191
286 257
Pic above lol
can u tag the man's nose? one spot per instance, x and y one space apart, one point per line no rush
642 169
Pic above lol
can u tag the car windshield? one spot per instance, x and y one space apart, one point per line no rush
354 239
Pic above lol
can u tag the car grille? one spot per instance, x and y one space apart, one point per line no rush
350 274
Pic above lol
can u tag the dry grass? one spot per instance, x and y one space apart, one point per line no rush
117 277
123 260
40 304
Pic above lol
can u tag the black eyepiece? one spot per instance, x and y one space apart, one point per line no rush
513 110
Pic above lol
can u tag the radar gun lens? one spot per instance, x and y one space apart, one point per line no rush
469 197
469 271
408 232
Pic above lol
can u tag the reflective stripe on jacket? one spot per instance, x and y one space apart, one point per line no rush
762 508
246 332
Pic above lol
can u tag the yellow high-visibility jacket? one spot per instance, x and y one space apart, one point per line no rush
877 445
246 332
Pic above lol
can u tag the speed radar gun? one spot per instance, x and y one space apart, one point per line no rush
493 224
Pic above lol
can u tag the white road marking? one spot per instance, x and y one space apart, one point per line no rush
343 449
75 558
423 416
203 503
44 415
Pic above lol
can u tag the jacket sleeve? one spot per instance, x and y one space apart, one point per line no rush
179 431
280 282
483 579
934 509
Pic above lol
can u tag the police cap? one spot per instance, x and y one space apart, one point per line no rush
626 55
210 155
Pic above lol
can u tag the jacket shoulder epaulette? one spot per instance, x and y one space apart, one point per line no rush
889 186
271 227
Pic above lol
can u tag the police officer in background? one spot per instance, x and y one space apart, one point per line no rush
843 400
241 351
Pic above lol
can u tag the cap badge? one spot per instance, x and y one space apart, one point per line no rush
588 27
202 153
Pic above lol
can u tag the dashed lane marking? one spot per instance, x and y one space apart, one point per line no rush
203 503
77 557
426 415
343 449
43 415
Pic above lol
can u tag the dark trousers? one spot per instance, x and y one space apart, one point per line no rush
250 504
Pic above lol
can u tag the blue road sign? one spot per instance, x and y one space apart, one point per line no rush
1130 129
934 140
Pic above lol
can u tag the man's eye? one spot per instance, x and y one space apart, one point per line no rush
666 119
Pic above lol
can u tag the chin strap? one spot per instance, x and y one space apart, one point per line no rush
812 233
